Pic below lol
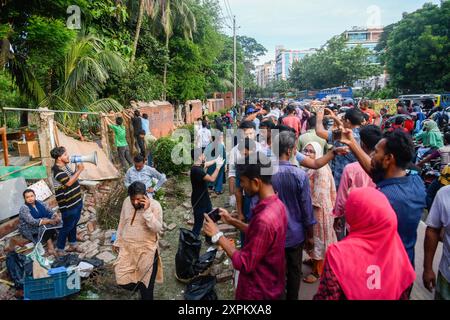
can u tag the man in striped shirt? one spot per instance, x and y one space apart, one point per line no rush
68 195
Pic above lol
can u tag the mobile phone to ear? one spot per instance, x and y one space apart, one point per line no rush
214 215
337 135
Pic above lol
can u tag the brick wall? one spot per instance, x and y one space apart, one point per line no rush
227 97
160 114
215 105
193 110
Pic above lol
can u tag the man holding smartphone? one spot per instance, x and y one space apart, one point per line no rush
200 201
353 119
261 261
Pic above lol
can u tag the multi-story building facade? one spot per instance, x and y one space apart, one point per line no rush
265 73
366 37
284 59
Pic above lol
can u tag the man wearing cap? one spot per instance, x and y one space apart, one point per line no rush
252 115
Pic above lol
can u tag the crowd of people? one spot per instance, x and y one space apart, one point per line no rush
339 183
336 185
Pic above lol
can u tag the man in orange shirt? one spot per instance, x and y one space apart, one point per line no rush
292 120
373 116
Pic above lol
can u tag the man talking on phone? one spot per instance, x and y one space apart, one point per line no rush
138 265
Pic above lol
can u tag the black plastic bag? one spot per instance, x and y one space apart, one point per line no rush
201 288
204 262
66 261
97 263
19 267
187 255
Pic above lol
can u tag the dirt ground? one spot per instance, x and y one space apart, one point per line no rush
177 191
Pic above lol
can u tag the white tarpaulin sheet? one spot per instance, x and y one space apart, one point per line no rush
11 198
104 170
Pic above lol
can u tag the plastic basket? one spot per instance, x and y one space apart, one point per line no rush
56 286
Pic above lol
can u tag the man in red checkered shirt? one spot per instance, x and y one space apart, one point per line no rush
261 262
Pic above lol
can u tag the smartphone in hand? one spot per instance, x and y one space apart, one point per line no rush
337 135
214 215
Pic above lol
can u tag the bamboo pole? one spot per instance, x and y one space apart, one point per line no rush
55 133
7 282
45 110
18 251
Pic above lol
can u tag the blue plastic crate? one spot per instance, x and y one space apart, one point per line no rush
56 286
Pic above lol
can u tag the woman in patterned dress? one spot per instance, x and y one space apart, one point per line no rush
323 194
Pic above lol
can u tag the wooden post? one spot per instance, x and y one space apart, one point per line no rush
46 135
5 145
104 136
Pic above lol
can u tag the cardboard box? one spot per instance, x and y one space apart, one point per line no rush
29 148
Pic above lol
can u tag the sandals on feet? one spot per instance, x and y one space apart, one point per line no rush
311 278
74 250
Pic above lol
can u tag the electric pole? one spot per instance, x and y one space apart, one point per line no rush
235 62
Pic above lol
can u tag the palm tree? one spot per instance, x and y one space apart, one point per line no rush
169 13
85 71
147 6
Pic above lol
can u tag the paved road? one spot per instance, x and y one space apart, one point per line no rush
419 292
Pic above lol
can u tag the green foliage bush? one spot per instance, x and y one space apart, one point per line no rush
189 127
162 157
212 115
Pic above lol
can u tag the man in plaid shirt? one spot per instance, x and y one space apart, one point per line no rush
261 262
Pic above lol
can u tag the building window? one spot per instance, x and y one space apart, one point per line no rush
357 37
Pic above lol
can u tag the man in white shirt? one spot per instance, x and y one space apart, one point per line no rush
203 136
438 219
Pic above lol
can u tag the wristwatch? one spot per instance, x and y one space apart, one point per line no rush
215 238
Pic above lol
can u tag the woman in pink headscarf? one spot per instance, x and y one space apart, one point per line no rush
371 262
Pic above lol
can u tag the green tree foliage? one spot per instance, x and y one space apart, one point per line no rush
109 18
251 50
417 53
51 68
333 65
137 83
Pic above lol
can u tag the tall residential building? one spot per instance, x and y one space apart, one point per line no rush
265 73
284 59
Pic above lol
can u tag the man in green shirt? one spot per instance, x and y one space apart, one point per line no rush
120 140
311 136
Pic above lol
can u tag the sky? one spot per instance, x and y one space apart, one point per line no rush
304 24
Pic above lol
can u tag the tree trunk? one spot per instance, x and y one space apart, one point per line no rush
138 29
165 71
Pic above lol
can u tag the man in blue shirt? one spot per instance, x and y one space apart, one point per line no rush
145 174
406 193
